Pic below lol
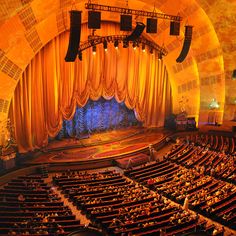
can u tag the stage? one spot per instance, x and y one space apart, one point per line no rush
107 145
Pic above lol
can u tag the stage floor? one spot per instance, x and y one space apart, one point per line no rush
110 144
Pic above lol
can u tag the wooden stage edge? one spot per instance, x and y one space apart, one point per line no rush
101 149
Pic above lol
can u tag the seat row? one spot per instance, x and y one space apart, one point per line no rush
206 194
123 207
31 207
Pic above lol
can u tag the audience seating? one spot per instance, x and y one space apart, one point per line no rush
203 164
199 169
30 207
123 207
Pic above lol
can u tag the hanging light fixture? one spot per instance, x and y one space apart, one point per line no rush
143 47
105 45
125 44
116 43
151 50
94 49
160 55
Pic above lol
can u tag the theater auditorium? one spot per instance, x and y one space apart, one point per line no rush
118 118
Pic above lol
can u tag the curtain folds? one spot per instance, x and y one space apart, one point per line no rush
50 88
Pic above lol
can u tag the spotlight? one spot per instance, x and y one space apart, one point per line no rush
134 45
125 44
143 47
94 49
116 43
151 50
80 56
105 45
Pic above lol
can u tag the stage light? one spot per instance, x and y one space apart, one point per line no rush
134 45
160 55
80 56
125 44
143 47
94 49
105 45
151 50
116 43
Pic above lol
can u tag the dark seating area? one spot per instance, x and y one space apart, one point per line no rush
163 197
201 153
29 206
215 142
123 207
196 168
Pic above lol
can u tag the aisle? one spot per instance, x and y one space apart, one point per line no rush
78 215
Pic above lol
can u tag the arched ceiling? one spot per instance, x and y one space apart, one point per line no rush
27 25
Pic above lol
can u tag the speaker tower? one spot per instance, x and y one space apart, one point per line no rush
187 43
74 40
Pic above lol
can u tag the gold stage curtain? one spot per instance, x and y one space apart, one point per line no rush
50 88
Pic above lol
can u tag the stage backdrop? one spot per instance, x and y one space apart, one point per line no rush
51 89
98 116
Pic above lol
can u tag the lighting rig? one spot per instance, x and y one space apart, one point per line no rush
94 22
128 11
116 39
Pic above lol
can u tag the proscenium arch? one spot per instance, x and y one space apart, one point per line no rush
33 25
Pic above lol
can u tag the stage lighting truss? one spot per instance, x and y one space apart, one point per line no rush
94 40
127 11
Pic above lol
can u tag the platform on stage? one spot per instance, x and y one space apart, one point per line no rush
99 146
